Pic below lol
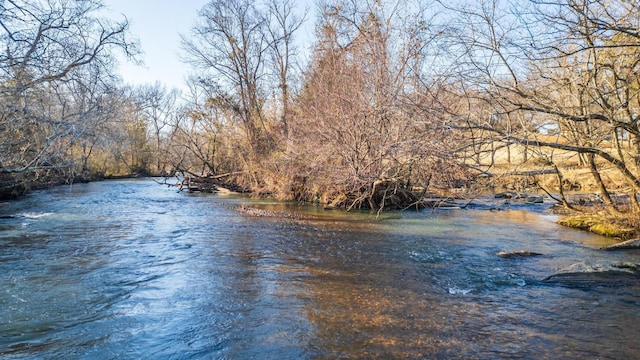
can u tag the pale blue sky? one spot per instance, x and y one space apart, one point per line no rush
158 23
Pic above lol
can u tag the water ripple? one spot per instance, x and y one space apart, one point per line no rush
129 269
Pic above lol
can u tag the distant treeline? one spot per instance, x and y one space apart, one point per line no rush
392 99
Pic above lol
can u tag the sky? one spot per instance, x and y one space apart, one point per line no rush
157 24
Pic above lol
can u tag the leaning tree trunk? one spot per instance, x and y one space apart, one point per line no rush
563 198
598 178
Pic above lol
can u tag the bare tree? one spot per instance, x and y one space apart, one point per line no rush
283 23
200 135
52 50
243 53
362 136
567 67
157 105
229 47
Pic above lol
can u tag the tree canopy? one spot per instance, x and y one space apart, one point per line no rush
395 100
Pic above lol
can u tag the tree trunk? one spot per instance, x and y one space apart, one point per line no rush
563 198
603 189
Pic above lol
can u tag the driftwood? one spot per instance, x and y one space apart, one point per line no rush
197 184
513 173
209 184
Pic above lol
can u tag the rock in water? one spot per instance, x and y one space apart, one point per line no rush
629 244
582 275
535 199
507 195
266 213
587 280
517 254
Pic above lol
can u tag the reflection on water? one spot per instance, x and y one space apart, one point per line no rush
132 269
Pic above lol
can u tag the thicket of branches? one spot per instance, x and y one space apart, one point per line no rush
390 100
365 133
56 88
559 78
356 126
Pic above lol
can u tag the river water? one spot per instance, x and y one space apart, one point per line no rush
131 269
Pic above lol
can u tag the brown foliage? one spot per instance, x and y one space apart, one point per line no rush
359 139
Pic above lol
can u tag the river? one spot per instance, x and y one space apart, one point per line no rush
131 269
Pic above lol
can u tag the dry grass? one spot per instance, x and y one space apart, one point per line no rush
509 166
578 182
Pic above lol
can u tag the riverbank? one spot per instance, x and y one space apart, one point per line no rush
14 186
586 212
602 224
580 204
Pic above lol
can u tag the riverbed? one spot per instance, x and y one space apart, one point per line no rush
132 269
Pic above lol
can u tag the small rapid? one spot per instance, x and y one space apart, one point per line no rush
132 269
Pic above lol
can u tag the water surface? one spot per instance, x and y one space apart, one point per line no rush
131 269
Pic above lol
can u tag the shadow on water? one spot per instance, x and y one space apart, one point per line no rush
131 269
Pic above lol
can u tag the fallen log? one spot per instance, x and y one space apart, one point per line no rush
532 172
208 184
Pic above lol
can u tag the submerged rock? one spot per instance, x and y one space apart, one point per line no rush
517 254
613 278
266 213
507 195
626 265
535 199
522 197
629 244
582 275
